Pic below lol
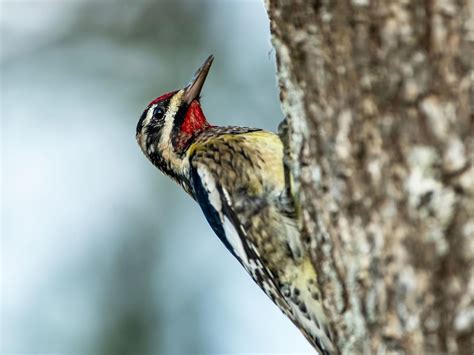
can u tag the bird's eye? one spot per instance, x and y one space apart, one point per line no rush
159 112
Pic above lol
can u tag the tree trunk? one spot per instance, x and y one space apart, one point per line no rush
379 104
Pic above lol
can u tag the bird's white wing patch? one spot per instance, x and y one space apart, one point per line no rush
209 184
235 241
215 199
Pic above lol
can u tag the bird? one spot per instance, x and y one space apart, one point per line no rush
238 177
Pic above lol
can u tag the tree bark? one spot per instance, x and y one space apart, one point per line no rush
378 99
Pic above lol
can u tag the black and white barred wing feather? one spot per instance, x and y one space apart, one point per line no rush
216 204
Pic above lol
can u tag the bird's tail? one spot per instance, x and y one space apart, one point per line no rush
304 300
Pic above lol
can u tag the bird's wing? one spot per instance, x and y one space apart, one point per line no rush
220 211
216 204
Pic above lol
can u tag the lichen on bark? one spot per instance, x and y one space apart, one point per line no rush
378 98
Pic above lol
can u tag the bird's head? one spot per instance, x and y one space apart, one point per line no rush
170 122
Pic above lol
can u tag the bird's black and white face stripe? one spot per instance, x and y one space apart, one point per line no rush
150 126
155 133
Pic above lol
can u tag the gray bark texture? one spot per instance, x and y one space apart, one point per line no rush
378 99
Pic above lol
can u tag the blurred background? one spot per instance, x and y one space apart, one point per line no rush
99 252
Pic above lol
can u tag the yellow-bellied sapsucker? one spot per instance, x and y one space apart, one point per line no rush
238 178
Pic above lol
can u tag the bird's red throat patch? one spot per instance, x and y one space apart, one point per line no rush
194 120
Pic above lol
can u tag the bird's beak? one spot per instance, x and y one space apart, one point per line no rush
193 89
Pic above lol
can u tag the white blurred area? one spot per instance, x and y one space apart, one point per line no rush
99 252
